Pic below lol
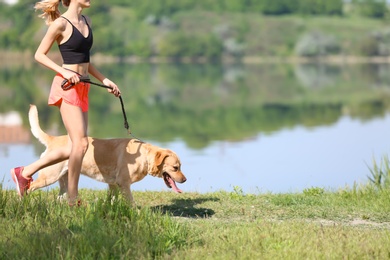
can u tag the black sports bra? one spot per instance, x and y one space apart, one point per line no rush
76 49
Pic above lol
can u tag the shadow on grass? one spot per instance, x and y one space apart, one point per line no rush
187 208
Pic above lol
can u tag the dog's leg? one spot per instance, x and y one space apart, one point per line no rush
47 176
113 190
126 192
63 182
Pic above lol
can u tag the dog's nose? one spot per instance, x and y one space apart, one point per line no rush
184 179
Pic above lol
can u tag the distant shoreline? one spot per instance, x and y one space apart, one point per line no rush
26 59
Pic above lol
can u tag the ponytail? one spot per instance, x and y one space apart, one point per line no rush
49 9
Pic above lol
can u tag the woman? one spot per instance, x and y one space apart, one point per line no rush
73 34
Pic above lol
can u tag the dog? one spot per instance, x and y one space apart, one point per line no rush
117 162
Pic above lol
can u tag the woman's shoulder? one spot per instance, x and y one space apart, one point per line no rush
59 24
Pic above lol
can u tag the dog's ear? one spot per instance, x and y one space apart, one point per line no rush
159 157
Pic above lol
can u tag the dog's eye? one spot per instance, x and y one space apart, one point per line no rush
175 168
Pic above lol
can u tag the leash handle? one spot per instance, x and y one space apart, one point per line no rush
66 84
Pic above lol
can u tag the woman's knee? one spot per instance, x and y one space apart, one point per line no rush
81 145
84 144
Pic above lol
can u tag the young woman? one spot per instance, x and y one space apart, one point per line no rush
73 34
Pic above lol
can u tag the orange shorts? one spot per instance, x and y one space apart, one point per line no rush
76 95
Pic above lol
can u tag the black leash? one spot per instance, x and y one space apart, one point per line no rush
65 85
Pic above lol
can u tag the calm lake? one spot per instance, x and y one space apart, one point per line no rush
261 128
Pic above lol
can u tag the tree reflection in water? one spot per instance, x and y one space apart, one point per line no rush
200 105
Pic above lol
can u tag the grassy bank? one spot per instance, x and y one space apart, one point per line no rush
351 223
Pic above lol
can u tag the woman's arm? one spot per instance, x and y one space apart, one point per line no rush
53 33
99 76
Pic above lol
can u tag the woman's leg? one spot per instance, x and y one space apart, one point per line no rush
75 122
22 175
52 157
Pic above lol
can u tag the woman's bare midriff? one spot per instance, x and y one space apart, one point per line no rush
81 69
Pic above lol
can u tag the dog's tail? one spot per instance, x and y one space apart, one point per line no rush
35 127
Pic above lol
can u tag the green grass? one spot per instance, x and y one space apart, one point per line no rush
380 173
351 223
40 227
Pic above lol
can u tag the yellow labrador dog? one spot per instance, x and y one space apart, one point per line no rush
117 162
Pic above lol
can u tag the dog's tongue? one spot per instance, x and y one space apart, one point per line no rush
172 184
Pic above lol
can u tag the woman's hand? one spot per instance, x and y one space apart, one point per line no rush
72 77
115 90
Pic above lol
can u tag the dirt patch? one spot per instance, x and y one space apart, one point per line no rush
356 222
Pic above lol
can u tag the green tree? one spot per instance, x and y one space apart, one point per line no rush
371 8
322 7
278 7
179 45
333 7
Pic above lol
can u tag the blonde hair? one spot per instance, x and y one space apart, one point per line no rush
49 9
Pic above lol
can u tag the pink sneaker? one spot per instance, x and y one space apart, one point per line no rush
76 203
22 184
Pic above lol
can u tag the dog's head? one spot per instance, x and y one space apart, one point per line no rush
166 164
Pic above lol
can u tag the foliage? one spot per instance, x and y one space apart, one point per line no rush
371 8
376 43
279 7
192 28
237 193
380 174
314 191
310 7
180 44
320 7
317 44
275 7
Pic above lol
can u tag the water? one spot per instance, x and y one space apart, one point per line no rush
289 160
232 133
